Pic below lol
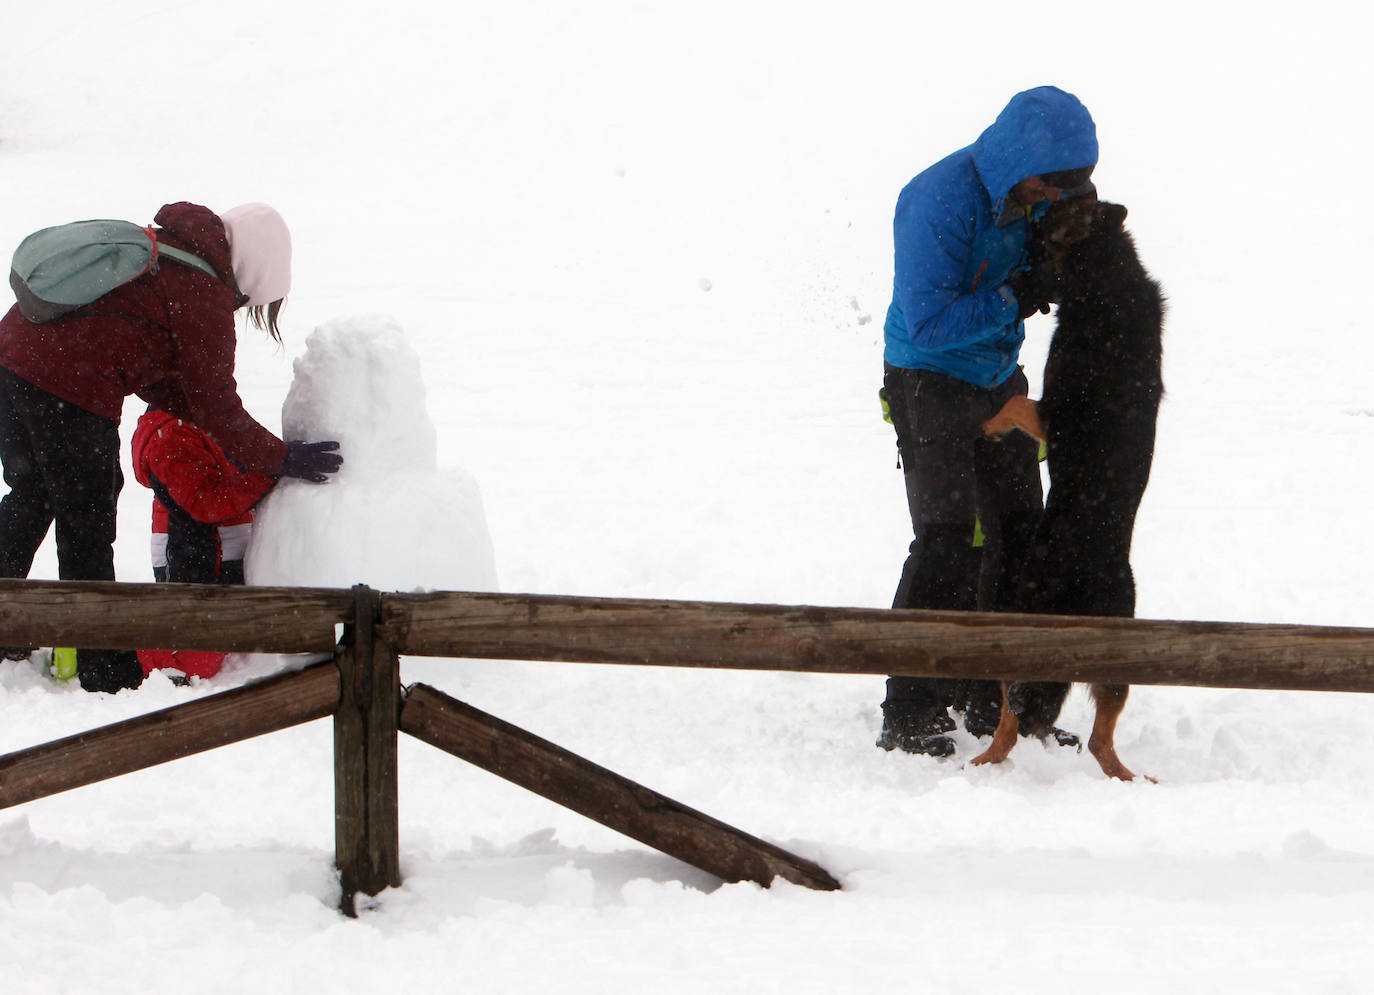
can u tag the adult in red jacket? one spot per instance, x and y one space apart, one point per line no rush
202 518
168 337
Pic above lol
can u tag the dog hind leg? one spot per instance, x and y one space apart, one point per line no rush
1004 737
1110 700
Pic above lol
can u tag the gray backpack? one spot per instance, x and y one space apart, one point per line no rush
57 270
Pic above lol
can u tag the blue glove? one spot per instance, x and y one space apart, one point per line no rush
312 461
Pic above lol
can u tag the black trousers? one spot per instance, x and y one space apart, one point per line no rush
61 463
62 466
957 479
192 546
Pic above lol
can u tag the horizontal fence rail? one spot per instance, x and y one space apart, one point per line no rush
879 641
115 615
696 634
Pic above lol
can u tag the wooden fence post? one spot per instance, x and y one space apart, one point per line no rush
366 832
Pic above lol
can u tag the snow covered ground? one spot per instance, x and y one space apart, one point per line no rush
642 251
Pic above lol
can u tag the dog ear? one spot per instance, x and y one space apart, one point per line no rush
1113 214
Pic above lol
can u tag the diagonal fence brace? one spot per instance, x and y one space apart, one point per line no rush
601 795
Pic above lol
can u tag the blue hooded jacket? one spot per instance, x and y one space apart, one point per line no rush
956 241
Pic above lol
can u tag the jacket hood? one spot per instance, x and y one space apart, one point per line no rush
199 230
1043 130
260 244
149 424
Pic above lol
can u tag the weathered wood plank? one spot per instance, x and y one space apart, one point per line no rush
366 818
264 706
599 794
878 641
112 615
697 634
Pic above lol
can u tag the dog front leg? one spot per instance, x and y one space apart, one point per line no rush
1003 737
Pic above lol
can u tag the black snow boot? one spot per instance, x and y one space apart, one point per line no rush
916 716
108 670
1037 704
981 704
1063 737
910 734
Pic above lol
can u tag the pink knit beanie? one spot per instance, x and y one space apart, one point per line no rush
260 246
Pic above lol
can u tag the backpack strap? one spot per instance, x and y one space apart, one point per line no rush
177 255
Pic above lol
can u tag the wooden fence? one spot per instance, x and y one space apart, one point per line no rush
360 686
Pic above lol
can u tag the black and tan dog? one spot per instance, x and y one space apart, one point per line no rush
1102 388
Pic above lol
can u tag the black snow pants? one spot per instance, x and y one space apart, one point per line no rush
957 479
61 463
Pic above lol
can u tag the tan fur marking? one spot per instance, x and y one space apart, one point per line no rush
1003 738
1110 700
1019 412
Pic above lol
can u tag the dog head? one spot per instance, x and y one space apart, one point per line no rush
1067 233
1070 222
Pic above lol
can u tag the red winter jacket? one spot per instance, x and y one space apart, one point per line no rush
195 471
168 337
209 488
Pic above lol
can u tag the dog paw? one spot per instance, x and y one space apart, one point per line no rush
990 756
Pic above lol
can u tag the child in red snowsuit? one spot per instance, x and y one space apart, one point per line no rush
202 518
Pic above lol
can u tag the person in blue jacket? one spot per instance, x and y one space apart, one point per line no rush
962 291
